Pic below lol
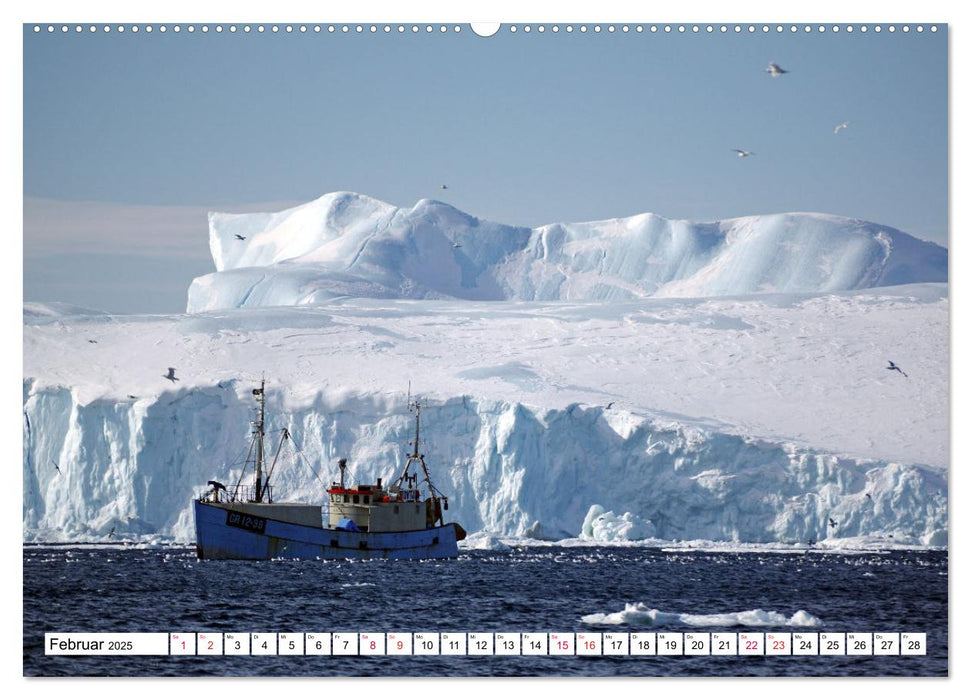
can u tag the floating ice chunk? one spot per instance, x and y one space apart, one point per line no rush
485 541
640 614
751 618
804 619
538 531
606 526
632 614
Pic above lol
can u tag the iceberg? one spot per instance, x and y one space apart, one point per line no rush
348 244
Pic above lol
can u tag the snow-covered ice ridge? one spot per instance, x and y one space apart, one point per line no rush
347 244
749 419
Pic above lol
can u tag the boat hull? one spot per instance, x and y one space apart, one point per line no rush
222 533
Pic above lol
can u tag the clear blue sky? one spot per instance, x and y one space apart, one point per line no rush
524 128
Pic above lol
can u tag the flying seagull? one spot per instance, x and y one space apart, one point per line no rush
55 466
456 245
893 366
240 238
171 375
92 341
743 154
774 70
840 126
443 187
610 405
832 523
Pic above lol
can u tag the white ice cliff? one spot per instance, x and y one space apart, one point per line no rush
755 419
134 467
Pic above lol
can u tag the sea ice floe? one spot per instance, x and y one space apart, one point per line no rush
639 614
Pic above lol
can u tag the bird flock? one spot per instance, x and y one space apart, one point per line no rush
775 70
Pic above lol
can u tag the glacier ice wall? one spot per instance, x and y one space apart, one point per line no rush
347 244
129 468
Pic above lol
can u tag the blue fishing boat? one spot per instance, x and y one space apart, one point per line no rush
404 520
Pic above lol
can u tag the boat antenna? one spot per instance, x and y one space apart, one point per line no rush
258 393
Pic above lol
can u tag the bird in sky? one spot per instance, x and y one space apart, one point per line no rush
132 396
832 523
92 341
171 375
443 187
893 366
743 154
839 127
610 405
240 238
774 70
456 245
56 467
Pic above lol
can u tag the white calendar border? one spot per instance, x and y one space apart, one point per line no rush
505 10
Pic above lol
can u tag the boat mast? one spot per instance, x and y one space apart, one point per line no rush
259 442
417 405
406 478
415 457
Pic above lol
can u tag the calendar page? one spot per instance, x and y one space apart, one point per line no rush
443 349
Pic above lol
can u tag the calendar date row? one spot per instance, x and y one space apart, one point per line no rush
489 644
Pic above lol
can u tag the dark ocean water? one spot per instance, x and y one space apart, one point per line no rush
533 589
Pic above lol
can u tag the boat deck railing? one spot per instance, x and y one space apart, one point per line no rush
240 494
